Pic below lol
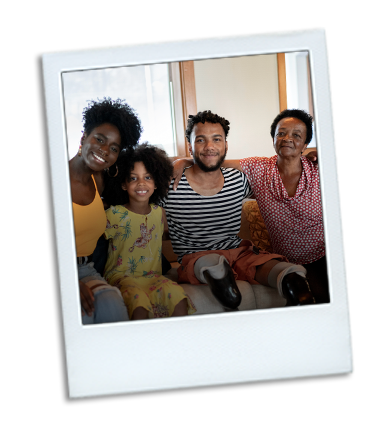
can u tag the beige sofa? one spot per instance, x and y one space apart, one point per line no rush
253 296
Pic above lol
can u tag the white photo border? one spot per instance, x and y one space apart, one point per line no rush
208 349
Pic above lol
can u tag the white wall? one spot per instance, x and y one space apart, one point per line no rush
244 90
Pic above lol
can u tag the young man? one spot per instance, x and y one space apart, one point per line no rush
204 217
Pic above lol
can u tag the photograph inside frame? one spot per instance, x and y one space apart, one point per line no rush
248 236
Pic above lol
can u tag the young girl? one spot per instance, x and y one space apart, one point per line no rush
134 228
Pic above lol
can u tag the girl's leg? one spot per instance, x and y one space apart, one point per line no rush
140 313
181 309
109 307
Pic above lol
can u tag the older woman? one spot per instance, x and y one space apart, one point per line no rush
287 189
109 126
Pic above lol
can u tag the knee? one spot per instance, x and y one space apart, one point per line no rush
206 262
110 307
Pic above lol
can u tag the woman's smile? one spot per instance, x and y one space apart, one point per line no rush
98 158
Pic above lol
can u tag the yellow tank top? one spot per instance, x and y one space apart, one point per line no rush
89 224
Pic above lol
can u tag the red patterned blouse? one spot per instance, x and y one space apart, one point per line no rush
295 224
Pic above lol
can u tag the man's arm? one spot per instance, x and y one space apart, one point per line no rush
312 156
181 163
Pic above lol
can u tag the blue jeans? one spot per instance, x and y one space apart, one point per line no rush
109 304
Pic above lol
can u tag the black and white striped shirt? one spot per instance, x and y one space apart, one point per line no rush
201 223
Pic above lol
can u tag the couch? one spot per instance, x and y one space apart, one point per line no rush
253 296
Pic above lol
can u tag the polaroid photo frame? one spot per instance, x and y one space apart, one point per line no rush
213 349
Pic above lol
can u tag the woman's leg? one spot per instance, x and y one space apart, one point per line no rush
181 309
109 307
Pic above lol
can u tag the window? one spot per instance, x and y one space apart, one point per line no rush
145 88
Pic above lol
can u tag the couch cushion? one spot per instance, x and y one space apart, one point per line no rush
253 296
258 232
267 297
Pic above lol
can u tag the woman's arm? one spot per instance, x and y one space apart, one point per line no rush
232 163
179 167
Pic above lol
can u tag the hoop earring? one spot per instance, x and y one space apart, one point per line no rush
107 170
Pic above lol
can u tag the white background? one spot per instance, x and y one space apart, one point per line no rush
16 85
232 317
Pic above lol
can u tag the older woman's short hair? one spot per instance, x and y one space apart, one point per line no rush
294 113
205 116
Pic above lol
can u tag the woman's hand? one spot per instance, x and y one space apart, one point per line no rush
179 166
87 299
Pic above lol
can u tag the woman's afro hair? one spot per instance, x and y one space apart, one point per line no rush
203 117
294 113
157 164
117 113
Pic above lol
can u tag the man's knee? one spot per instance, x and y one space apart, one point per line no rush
212 262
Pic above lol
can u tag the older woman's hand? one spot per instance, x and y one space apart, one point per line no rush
179 166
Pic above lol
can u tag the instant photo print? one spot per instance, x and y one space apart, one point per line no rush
249 80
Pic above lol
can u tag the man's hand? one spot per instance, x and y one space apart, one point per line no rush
179 166
312 156
87 299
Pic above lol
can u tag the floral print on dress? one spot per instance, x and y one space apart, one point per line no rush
138 274
145 237
126 230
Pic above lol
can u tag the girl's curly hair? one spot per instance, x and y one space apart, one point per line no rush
156 163
117 113
205 116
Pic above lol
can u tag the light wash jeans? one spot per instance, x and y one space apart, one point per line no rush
109 304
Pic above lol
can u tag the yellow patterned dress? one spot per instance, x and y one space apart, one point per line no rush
134 263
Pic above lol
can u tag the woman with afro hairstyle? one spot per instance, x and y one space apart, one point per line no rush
109 126
135 226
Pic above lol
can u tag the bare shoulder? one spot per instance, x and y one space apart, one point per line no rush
99 179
